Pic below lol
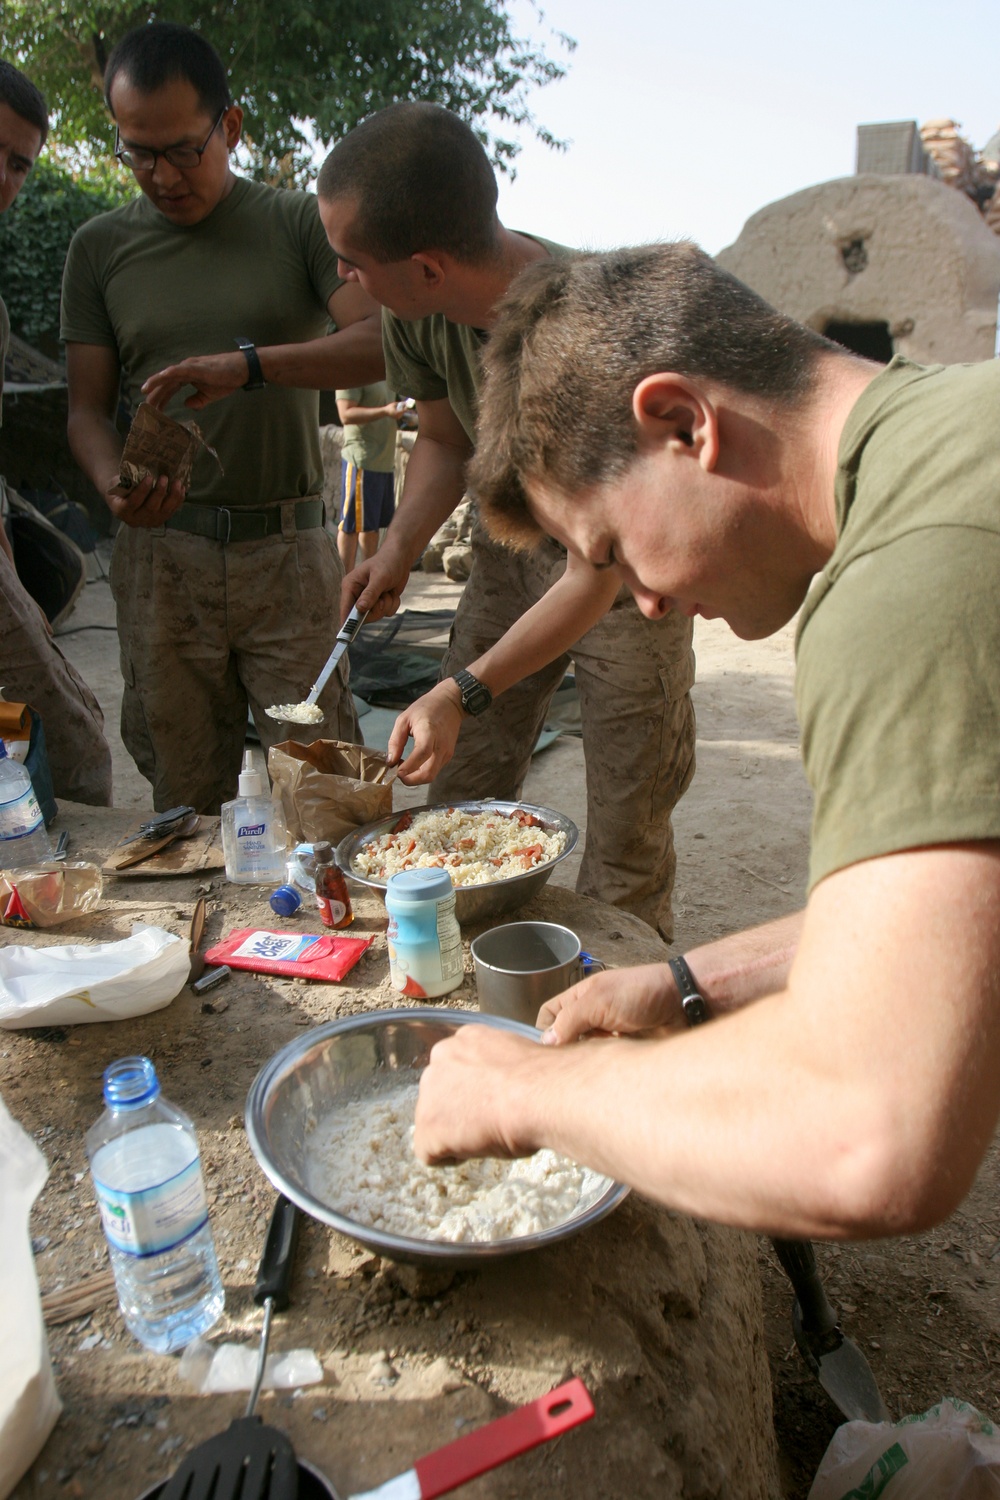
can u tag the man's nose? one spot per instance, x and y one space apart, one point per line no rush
163 174
346 272
653 606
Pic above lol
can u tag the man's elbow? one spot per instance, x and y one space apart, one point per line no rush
888 1180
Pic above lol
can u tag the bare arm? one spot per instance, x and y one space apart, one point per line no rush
350 356
92 373
435 483
856 1101
574 603
359 416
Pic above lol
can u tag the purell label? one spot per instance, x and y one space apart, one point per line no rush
250 831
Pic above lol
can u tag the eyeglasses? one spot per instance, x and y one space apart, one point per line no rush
143 159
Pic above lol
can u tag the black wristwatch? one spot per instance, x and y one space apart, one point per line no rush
693 1001
476 696
256 381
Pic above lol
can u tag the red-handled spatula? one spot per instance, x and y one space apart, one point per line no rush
490 1446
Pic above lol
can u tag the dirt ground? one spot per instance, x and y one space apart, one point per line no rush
925 1309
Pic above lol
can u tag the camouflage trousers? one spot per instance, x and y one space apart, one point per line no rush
633 677
33 670
207 629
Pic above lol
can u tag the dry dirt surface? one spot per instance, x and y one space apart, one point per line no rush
925 1309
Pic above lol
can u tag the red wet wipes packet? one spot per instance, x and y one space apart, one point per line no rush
299 955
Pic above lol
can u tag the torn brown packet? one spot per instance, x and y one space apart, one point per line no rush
157 445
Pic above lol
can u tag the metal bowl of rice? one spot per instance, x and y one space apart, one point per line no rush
476 902
321 1075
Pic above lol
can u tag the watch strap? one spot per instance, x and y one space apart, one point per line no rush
256 381
693 1001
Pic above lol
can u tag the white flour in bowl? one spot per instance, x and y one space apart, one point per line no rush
360 1162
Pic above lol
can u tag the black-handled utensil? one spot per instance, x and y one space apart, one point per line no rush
250 1461
835 1360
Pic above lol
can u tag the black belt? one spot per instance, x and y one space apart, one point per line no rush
224 525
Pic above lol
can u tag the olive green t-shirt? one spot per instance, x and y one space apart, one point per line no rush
372 445
259 267
898 644
433 358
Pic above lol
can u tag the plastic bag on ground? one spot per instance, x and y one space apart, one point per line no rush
29 1405
951 1452
65 984
213 1368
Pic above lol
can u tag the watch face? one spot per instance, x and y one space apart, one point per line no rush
477 700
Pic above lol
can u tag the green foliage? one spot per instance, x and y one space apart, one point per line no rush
34 237
301 69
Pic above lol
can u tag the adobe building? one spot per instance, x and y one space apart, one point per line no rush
890 261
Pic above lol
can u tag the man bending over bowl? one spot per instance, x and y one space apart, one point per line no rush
725 461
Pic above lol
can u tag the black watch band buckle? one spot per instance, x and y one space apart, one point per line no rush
256 382
693 1001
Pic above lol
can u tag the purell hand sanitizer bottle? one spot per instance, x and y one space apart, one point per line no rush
254 838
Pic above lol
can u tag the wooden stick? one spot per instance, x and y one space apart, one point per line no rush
76 1301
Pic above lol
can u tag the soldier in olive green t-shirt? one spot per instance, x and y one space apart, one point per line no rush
408 200
226 592
733 464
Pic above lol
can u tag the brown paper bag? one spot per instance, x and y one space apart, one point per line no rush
330 787
158 445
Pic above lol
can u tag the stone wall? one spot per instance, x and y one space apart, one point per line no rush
906 251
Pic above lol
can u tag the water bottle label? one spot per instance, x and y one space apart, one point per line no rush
158 1218
22 815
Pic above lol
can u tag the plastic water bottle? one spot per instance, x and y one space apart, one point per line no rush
23 840
144 1161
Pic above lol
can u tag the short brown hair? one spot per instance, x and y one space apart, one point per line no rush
573 339
21 95
422 181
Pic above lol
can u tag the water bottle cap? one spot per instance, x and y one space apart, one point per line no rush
420 885
285 901
129 1082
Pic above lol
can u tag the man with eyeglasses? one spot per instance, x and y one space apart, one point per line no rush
225 592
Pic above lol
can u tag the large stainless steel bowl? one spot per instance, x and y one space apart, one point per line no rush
305 1080
473 903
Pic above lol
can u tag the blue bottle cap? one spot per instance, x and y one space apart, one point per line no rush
285 901
420 885
129 1082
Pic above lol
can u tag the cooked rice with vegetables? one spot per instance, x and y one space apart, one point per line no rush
474 847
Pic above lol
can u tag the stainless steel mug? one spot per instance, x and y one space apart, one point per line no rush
522 964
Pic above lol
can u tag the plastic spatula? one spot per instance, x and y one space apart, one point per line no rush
250 1461
490 1446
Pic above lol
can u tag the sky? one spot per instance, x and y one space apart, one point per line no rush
685 120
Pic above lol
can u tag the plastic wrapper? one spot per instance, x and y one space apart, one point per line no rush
29 1405
212 1369
299 955
49 894
951 1452
67 983
329 788
158 445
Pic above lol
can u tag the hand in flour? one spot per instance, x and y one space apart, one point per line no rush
638 1002
468 1094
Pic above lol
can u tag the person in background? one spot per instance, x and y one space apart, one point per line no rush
226 593
368 468
409 203
33 670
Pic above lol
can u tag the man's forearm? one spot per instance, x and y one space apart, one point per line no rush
736 970
96 444
351 356
573 604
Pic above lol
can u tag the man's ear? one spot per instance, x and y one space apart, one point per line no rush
671 409
432 266
233 126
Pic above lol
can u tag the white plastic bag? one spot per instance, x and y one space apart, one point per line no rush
947 1453
65 984
29 1405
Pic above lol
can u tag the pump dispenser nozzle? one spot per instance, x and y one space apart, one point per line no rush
251 781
